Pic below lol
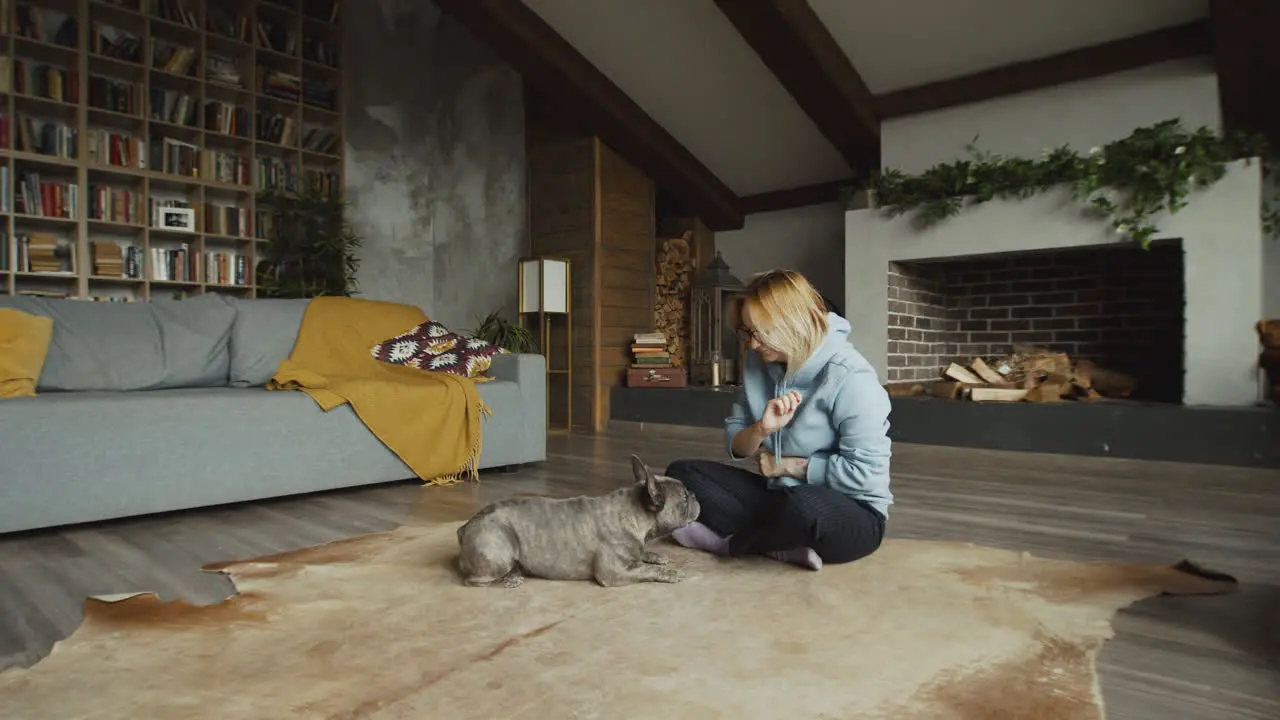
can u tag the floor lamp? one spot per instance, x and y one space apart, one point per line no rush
544 293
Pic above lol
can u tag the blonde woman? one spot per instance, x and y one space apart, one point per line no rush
813 413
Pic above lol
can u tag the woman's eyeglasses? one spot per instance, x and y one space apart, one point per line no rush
746 335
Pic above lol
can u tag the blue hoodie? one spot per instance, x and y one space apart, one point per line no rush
841 425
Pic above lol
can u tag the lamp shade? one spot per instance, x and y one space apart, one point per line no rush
544 285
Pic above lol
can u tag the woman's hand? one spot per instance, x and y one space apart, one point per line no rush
778 412
796 467
768 466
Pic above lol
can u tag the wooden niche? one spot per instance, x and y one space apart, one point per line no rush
588 204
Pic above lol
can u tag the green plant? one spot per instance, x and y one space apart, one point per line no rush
310 249
1129 181
497 330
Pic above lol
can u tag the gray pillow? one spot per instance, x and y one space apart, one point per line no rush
263 335
133 346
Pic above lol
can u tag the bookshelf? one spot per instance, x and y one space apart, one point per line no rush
136 134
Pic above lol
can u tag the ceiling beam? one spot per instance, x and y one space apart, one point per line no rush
800 51
1173 43
804 196
1248 63
535 50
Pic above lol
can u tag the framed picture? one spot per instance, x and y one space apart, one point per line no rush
177 219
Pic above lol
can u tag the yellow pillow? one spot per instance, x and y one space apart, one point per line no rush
24 344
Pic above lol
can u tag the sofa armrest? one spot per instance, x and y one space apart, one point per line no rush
529 371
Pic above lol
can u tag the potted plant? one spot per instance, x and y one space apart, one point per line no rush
497 330
310 249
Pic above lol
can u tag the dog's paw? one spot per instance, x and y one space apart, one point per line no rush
670 575
654 558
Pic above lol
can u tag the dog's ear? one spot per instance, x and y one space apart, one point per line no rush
639 469
653 496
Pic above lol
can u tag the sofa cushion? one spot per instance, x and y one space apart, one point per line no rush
263 335
24 344
133 346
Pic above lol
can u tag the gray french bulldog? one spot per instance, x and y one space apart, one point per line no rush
599 538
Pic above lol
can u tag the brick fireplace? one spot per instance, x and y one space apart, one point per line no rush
1180 316
1119 306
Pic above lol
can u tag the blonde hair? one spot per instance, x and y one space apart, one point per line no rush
789 314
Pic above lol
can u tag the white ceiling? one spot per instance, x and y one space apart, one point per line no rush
902 43
685 64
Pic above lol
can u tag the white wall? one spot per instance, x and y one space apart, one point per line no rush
1222 244
1229 269
1271 254
808 239
1094 112
1082 115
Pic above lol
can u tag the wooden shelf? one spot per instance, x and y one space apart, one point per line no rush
207 86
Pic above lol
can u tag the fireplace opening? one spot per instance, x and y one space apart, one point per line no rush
1112 309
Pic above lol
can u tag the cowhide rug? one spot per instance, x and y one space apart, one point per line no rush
379 627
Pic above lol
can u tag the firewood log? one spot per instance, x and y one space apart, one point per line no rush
674 266
1112 383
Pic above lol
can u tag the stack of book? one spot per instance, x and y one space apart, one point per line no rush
108 259
39 253
649 350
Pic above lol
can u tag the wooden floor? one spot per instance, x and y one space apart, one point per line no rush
1203 657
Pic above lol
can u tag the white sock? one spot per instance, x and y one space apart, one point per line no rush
804 557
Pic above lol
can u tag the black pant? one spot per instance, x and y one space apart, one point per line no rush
737 502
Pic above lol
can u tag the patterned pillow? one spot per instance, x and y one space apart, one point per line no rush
431 346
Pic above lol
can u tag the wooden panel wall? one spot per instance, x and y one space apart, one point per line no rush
590 205
561 167
626 267
562 223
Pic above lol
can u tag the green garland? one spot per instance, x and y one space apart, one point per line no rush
1129 181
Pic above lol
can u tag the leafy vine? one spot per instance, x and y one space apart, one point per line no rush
1129 180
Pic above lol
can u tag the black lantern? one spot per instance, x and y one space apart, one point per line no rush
715 354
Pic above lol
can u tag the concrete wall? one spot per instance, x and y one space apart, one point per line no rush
435 163
808 239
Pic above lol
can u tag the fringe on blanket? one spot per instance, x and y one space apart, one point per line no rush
470 472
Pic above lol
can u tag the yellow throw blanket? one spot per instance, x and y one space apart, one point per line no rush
431 420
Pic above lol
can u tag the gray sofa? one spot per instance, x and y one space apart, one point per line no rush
159 406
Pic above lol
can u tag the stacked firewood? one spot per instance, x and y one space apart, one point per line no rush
1028 374
671 304
1269 360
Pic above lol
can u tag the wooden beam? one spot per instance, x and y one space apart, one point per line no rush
815 194
799 50
531 46
1181 41
1248 63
